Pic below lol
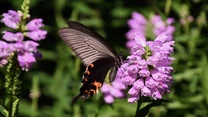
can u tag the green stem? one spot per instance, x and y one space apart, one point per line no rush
35 93
25 9
167 6
74 15
12 85
34 107
10 106
138 107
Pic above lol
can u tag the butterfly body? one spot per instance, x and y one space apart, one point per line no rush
96 55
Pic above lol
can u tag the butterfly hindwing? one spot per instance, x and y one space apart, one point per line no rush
96 72
93 77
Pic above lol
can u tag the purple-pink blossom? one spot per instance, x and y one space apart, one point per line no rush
10 37
26 60
147 70
138 26
161 26
113 90
11 19
5 51
26 50
30 46
37 35
35 24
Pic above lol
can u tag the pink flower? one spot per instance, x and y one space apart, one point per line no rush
37 35
147 73
137 25
14 42
35 24
26 60
113 91
161 26
9 36
11 19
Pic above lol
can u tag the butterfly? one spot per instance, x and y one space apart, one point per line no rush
96 55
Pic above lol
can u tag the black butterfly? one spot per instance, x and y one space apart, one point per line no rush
95 53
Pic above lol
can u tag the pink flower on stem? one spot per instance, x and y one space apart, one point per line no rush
14 42
147 73
11 19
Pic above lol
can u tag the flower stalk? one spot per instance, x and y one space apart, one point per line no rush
12 85
18 53
139 103
34 95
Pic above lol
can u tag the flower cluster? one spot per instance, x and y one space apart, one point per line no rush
161 26
113 90
138 25
147 70
14 41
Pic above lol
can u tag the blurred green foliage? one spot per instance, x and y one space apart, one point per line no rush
50 85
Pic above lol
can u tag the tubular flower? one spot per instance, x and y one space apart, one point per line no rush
11 19
27 53
147 70
115 90
137 25
161 26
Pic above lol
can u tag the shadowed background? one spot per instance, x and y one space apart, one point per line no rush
57 76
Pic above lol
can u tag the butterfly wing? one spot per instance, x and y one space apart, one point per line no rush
85 43
93 77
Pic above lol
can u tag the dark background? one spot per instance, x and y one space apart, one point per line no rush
57 76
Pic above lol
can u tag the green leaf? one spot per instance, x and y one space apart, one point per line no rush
145 110
204 75
3 111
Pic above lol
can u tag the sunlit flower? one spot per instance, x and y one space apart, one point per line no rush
5 51
27 53
137 25
147 70
26 60
37 35
113 90
160 26
9 36
30 46
35 24
11 19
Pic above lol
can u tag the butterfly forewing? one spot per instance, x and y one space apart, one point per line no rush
88 46
86 30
